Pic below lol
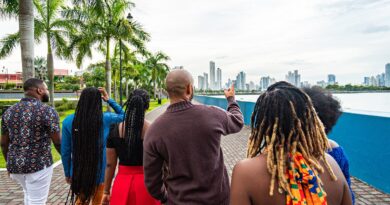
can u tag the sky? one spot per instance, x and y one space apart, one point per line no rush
348 38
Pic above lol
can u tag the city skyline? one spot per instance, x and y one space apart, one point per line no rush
294 77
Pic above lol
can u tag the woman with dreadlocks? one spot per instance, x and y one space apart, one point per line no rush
83 151
126 143
287 151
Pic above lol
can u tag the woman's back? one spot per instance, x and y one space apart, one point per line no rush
117 141
251 180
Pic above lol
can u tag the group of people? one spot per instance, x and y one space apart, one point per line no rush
178 159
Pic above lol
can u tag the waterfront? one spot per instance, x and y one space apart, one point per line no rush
370 103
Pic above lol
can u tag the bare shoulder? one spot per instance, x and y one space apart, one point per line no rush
333 143
250 167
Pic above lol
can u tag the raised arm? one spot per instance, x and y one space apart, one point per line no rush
153 164
119 113
233 120
66 149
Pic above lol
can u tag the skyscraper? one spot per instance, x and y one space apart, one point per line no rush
387 75
206 81
200 82
265 83
243 80
212 75
219 79
366 81
331 79
294 78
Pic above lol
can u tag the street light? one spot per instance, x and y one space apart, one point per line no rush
129 17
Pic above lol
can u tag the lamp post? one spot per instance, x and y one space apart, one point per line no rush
5 70
129 17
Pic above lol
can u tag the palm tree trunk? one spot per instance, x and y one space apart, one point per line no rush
50 70
108 70
26 29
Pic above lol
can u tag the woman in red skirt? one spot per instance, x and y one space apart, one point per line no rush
125 142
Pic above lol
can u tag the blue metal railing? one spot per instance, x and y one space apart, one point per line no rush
365 138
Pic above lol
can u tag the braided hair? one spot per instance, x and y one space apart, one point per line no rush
136 106
284 122
87 145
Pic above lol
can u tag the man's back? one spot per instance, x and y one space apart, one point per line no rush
187 137
29 124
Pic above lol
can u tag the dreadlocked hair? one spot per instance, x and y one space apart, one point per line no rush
136 106
87 145
284 122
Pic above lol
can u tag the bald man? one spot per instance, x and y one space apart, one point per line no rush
187 139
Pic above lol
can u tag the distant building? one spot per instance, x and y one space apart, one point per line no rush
331 79
212 75
265 82
241 81
321 84
387 75
219 79
381 78
201 82
206 81
11 78
366 81
305 84
294 78
247 86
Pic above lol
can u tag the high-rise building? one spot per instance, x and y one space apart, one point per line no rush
331 79
387 75
219 79
265 82
294 78
381 79
206 81
200 82
238 84
247 86
305 84
243 80
366 81
212 75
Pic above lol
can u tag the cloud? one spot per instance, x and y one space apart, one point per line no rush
377 29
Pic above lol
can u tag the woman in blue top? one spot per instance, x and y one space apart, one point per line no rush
83 147
329 110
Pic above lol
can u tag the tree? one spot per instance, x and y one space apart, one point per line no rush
95 78
24 9
102 23
156 63
40 68
54 29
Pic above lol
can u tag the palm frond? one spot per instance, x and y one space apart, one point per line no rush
9 8
8 44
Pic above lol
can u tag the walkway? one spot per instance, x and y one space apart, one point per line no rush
234 148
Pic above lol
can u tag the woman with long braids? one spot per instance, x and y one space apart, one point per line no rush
126 143
83 151
287 151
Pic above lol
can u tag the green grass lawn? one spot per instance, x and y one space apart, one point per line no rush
56 156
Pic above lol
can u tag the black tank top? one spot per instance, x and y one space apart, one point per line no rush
119 144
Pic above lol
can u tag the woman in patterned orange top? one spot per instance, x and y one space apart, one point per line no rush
287 160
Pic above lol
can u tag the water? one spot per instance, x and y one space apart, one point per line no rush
364 103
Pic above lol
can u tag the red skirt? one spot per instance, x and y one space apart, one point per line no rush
129 188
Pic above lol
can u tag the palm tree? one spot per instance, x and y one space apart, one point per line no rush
25 10
49 25
101 23
40 68
156 63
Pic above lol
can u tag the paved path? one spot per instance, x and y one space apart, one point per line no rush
234 149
